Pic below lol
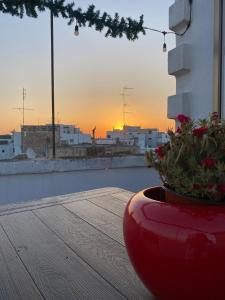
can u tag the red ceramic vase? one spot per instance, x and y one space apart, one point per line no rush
178 250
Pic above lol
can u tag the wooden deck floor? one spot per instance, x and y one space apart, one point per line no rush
67 247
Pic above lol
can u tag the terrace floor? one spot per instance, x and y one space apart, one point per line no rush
67 247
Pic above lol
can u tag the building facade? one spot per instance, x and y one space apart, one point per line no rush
197 62
37 139
6 147
143 138
91 151
10 145
17 143
71 135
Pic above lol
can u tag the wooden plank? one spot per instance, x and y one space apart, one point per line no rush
41 202
58 272
124 196
103 190
100 218
45 202
110 203
15 281
103 254
15 208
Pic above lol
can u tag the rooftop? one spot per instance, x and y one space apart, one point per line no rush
67 247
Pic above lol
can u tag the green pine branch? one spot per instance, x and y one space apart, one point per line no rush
115 26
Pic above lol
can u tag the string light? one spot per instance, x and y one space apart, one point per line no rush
76 30
164 33
164 44
171 32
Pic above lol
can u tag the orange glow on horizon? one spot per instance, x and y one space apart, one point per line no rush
90 73
101 128
118 126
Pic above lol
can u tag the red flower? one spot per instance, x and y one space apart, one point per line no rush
221 188
208 162
196 186
199 131
183 119
178 130
210 186
160 152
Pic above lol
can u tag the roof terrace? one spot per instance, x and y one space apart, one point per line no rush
67 247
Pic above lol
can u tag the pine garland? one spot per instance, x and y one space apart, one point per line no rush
115 27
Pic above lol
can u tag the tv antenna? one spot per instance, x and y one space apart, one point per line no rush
23 106
125 104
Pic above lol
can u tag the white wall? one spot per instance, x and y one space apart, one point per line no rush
71 135
192 61
145 138
17 143
105 142
67 165
6 151
76 138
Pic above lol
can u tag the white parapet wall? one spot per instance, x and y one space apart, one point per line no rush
177 104
179 60
66 165
194 60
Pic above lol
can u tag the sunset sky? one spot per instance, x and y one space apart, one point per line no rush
90 70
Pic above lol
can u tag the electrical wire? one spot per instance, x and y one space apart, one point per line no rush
172 32
189 23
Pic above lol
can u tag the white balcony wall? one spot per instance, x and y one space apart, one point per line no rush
192 61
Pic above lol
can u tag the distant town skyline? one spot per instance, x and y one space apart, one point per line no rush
90 71
103 134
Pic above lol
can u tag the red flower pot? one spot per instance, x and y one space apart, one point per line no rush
178 250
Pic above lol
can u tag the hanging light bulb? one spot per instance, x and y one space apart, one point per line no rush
164 44
76 30
164 47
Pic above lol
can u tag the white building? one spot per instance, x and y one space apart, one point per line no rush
144 138
6 147
106 141
10 145
163 138
197 62
71 135
17 143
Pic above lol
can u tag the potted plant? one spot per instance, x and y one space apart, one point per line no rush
175 233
